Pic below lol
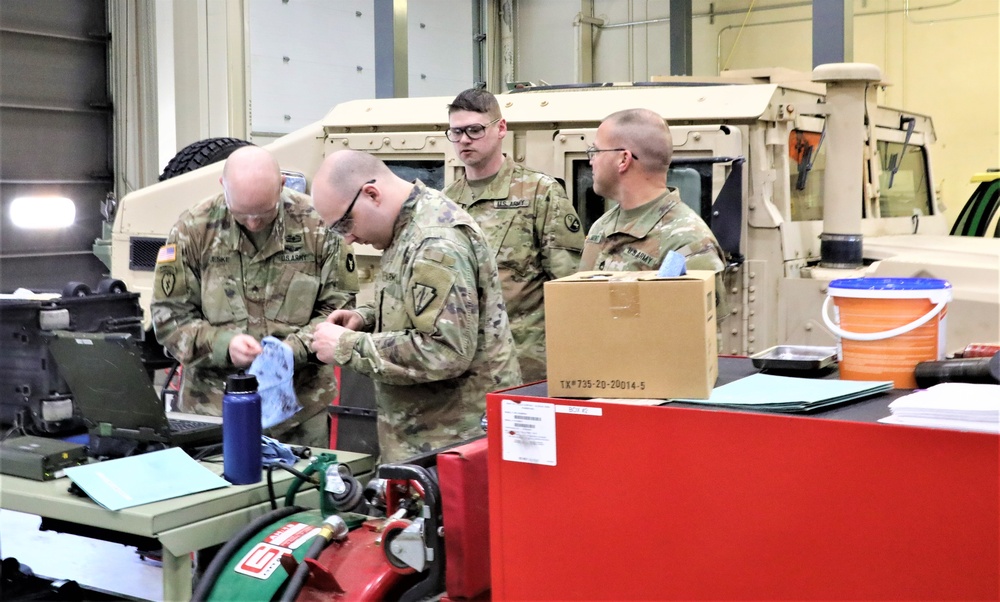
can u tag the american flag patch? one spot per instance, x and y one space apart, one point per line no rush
167 253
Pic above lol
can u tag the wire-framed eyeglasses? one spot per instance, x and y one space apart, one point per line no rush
593 150
343 225
251 216
474 131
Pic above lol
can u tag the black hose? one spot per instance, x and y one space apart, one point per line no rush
207 581
270 483
298 579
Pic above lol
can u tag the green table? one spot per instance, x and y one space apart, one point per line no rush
182 525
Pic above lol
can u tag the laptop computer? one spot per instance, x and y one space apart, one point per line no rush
114 394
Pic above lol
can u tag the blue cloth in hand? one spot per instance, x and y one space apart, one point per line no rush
673 265
274 369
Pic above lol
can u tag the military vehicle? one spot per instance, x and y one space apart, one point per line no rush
803 177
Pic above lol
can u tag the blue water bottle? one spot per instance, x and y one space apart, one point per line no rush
241 455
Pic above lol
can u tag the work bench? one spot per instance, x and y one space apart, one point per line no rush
181 525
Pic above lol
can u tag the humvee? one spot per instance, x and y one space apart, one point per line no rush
755 153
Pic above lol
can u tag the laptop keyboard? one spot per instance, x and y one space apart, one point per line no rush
178 425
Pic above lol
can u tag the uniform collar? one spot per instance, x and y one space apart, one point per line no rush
642 219
407 210
499 188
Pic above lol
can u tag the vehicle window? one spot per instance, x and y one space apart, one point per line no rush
906 192
691 177
589 206
806 177
429 172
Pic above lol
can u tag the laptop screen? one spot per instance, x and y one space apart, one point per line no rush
112 390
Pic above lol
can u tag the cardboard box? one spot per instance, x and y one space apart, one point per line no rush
631 335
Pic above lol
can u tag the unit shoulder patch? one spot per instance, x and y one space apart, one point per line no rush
429 289
572 223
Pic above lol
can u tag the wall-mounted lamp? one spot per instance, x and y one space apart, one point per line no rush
42 212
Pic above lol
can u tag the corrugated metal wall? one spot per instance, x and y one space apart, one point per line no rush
55 135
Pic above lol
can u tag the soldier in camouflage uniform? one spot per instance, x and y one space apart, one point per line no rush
436 338
252 262
528 221
630 157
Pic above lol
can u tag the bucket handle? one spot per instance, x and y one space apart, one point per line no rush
878 336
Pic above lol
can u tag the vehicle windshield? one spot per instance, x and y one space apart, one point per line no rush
902 194
428 171
909 192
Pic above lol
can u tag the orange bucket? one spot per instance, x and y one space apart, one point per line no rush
887 326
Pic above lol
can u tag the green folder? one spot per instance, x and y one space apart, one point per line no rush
789 394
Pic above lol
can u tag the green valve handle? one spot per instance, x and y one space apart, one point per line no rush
319 464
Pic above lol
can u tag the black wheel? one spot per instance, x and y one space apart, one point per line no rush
111 286
75 289
201 153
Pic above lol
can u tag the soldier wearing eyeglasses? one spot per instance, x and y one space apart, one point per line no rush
529 222
436 339
250 262
630 157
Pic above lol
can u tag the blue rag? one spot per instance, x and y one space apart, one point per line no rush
274 369
274 452
673 265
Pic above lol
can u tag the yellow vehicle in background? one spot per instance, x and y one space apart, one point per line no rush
756 153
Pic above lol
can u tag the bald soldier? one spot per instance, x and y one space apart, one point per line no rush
529 222
253 261
630 157
436 338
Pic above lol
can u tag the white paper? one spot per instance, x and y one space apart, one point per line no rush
529 432
579 410
960 406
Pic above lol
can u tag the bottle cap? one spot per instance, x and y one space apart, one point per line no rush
241 383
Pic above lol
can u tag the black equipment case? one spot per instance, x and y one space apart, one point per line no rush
33 395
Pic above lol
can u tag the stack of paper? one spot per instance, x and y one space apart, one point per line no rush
959 406
789 394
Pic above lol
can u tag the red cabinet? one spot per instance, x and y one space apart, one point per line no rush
688 503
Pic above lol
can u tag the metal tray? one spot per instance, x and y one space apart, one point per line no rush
795 357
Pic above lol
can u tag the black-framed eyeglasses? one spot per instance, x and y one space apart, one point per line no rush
474 131
593 150
343 225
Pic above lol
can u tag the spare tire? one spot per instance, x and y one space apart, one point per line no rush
201 153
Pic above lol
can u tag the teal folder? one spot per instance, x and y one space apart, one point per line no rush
790 394
145 478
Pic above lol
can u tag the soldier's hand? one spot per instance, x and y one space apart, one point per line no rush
347 318
243 350
325 339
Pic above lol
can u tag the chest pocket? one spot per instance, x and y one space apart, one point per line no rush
517 248
299 298
222 297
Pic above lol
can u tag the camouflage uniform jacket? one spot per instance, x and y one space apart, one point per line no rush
640 238
211 284
536 236
436 337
